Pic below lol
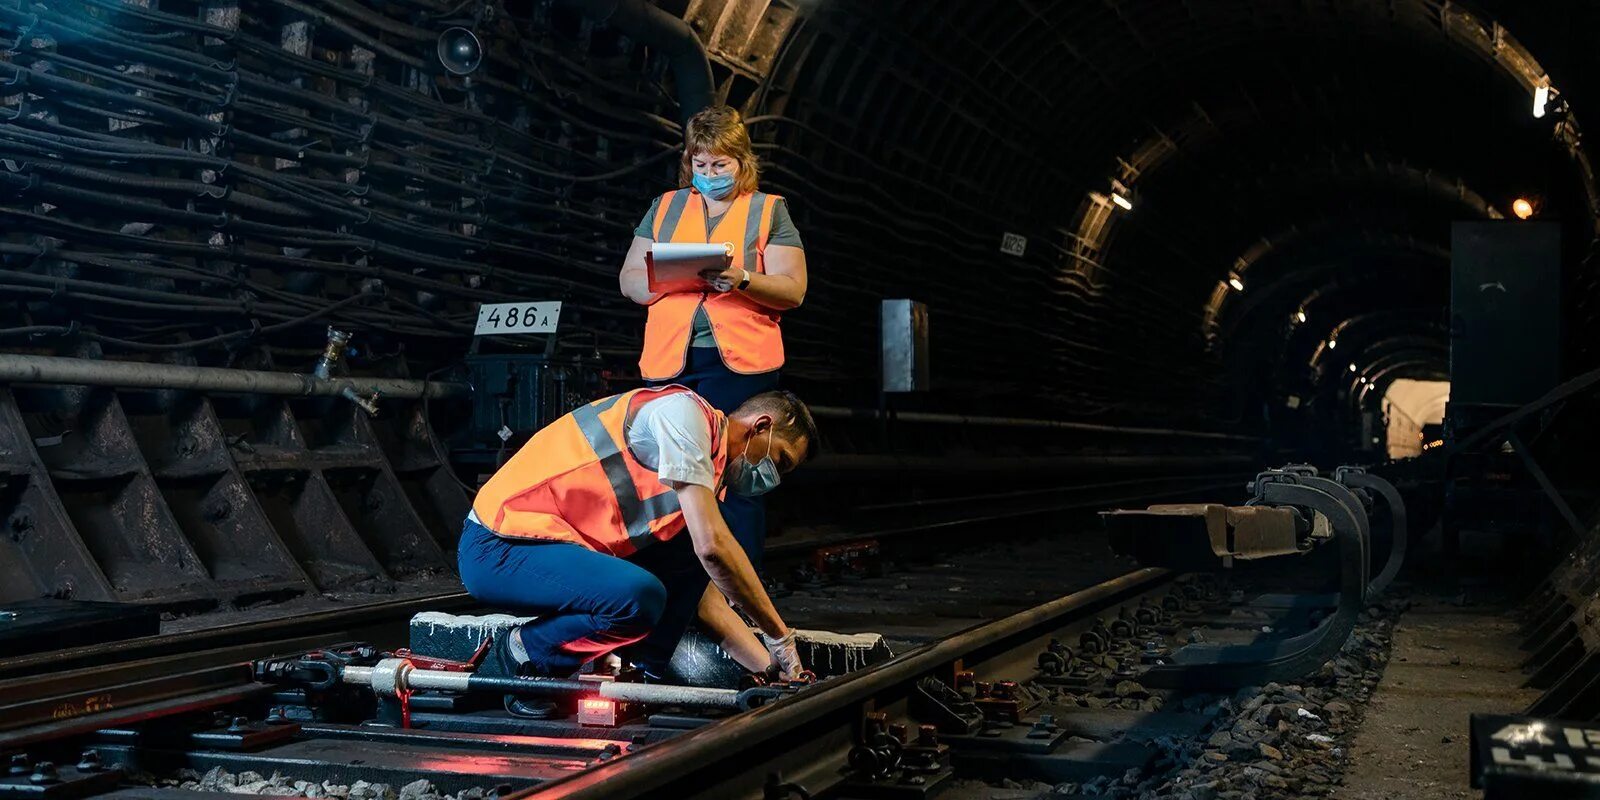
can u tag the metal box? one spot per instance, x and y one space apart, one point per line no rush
904 326
1505 312
514 396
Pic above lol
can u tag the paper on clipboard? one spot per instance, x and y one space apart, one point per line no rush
676 266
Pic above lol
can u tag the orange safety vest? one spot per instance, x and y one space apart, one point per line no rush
577 481
747 332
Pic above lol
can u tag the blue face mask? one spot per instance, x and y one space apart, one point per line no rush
715 187
749 481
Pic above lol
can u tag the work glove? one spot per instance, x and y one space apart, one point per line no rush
784 655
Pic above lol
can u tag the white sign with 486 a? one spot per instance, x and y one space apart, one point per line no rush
518 318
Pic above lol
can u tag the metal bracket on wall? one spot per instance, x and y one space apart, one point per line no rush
1526 455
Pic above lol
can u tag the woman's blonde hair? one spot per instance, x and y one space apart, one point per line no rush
720 131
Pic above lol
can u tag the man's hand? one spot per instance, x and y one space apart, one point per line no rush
723 280
785 655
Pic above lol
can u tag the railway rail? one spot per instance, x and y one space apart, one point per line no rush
1044 661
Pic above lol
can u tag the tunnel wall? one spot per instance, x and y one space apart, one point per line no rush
200 180
238 174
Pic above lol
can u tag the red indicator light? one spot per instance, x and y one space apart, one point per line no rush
597 712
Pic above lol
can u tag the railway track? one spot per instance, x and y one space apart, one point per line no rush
1016 660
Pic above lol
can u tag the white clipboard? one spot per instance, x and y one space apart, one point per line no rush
676 266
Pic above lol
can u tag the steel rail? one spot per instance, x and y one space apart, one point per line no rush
158 675
790 547
333 622
815 728
924 417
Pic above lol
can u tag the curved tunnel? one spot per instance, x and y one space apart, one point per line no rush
1316 158
1213 195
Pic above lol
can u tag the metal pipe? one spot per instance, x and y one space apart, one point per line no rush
838 412
644 22
16 368
397 676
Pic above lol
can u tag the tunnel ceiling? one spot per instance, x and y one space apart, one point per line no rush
215 182
1345 137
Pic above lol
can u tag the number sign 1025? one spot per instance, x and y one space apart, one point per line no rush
518 318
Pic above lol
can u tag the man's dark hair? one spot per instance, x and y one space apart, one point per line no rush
791 418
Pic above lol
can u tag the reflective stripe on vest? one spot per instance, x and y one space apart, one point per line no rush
576 480
669 223
752 225
747 333
637 512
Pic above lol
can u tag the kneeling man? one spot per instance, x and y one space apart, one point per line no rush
605 527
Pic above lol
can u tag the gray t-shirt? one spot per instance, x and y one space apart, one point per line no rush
783 233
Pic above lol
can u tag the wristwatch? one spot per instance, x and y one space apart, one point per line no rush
745 284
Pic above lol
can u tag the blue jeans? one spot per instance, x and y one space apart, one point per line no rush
726 390
587 603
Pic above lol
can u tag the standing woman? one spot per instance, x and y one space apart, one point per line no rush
723 342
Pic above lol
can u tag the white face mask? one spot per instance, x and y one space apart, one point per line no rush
749 481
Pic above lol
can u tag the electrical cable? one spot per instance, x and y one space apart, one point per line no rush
433 439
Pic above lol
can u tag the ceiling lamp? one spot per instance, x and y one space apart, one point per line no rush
1522 208
1352 367
1238 285
1332 343
1120 195
1541 98
1300 315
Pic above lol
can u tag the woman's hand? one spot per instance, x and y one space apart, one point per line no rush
724 280
782 286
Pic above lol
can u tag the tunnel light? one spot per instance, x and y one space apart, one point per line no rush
1238 285
1522 208
1352 368
1332 343
1116 197
1541 98
1300 315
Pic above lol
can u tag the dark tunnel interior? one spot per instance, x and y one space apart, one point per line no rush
1099 295
315 166
1230 220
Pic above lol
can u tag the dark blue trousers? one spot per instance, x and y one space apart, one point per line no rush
587 603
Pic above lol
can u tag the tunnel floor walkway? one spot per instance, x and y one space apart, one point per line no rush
1448 661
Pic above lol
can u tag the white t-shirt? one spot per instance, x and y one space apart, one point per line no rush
670 435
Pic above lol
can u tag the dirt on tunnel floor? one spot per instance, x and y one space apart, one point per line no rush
1448 661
